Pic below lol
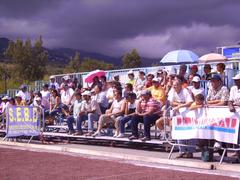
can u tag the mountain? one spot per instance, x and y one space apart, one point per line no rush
63 55
3 45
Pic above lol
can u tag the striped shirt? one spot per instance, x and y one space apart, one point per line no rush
146 106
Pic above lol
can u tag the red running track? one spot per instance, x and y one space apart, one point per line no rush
28 165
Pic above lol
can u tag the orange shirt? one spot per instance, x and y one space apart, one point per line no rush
158 93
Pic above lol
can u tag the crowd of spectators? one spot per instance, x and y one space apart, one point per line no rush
142 98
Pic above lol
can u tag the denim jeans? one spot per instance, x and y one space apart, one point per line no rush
184 149
55 111
123 121
90 117
70 121
147 120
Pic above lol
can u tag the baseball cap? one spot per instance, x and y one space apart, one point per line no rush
18 95
236 77
51 77
5 98
216 77
196 79
87 93
155 79
145 92
66 77
130 72
38 99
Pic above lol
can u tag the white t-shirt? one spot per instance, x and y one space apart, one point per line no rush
196 91
183 97
117 105
110 94
66 96
55 84
24 95
235 95
45 99
77 105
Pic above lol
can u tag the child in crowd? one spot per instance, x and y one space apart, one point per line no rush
198 103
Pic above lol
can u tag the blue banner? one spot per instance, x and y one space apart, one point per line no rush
23 121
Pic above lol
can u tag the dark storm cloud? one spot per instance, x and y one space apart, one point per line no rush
25 8
113 27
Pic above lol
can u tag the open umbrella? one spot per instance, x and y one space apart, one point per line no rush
92 74
212 57
180 56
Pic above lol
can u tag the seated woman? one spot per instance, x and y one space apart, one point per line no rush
130 107
55 105
115 112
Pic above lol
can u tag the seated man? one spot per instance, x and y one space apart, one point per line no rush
66 95
195 88
100 97
115 112
180 97
158 93
218 94
147 113
76 110
234 101
90 111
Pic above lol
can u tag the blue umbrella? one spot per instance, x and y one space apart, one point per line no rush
180 56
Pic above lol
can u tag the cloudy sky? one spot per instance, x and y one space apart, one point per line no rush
113 27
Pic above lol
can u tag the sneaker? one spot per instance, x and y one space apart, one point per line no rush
115 135
181 155
89 133
97 133
71 132
78 133
146 139
236 155
132 137
188 155
217 145
121 135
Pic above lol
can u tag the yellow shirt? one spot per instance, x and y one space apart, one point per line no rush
131 81
158 93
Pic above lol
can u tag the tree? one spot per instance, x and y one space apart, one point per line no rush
74 64
132 59
92 64
30 62
4 75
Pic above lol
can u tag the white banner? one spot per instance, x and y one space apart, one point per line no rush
207 123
